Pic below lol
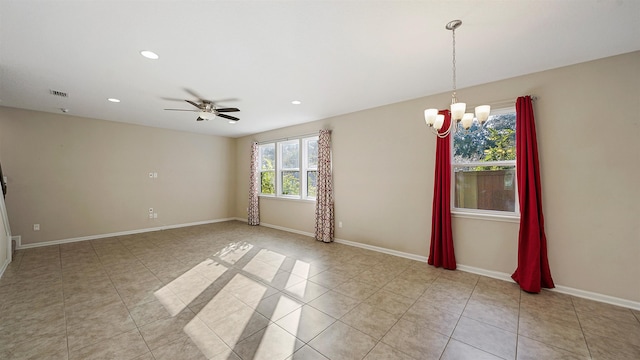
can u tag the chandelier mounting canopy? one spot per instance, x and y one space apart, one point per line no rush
453 24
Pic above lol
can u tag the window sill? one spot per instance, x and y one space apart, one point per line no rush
286 198
490 217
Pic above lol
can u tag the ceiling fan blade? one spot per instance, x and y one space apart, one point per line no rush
229 117
224 100
227 110
199 119
182 110
193 103
171 99
194 94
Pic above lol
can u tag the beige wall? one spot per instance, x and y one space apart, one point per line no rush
588 130
81 177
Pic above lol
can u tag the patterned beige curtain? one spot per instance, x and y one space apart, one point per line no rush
325 222
254 208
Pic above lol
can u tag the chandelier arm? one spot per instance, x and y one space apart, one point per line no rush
443 135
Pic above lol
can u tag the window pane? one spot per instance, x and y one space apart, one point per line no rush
290 183
312 183
312 154
486 188
495 141
267 156
290 155
267 182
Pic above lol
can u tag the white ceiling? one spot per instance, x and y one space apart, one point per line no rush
334 56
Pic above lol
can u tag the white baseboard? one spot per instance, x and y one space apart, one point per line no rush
559 288
470 269
479 271
19 245
4 266
383 250
287 229
9 256
597 297
17 239
350 243
484 272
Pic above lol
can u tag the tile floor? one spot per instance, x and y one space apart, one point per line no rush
231 291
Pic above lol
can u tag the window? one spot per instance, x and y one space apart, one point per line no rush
484 167
311 159
289 168
267 169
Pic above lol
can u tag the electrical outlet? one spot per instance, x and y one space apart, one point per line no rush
340 224
36 227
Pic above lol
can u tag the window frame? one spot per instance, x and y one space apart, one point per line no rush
308 168
508 216
302 169
261 171
280 169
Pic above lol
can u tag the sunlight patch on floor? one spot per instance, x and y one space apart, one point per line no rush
204 338
234 251
301 268
231 309
176 295
261 269
271 257
170 301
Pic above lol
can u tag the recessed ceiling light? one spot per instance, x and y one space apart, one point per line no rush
296 102
113 100
149 54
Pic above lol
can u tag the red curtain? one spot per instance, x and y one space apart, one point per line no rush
533 265
441 253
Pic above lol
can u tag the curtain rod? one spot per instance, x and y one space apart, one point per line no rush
504 102
287 138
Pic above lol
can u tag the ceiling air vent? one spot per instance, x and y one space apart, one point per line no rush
58 93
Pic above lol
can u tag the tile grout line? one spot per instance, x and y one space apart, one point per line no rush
125 305
573 305
409 307
518 323
362 302
460 317
64 306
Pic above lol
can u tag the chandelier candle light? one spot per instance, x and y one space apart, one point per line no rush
435 121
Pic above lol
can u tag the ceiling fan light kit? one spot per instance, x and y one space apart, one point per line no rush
458 109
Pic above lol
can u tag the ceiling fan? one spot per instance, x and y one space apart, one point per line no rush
208 109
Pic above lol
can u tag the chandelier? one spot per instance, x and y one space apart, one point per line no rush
458 114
